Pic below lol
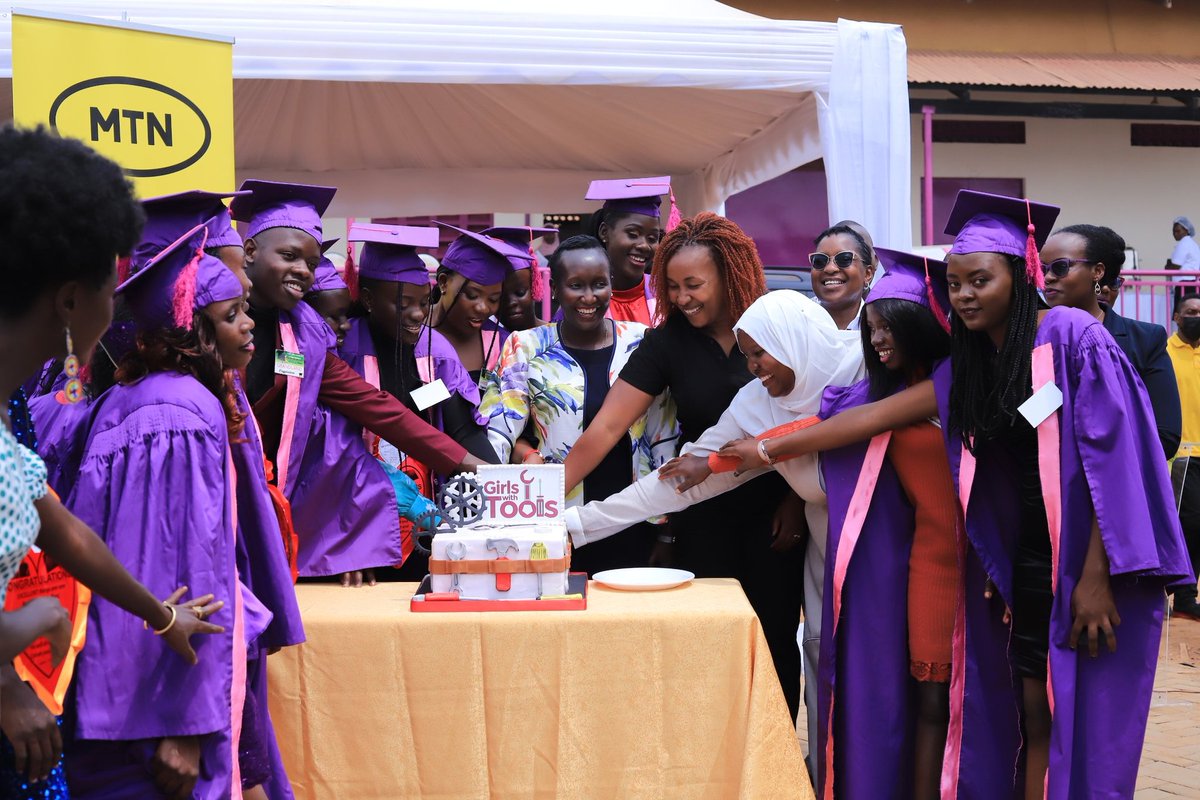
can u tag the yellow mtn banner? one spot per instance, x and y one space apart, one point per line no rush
158 102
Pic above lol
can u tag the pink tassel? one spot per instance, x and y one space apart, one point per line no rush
536 271
183 304
123 269
1033 262
540 284
939 313
674 218
350 272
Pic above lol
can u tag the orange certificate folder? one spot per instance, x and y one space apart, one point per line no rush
36 577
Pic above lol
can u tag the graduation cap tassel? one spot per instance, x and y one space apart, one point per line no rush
939 313
350 272
537 273
674 218
184 300
1033 262
183 303
123 264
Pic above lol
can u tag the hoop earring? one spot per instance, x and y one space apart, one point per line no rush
73 390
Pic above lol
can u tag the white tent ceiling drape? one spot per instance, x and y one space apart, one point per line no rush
459 106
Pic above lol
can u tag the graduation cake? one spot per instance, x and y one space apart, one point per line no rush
501 536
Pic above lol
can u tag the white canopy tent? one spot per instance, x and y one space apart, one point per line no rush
459 106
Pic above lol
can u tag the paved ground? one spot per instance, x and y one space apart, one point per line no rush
1171 756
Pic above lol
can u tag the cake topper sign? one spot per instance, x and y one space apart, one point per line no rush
524 494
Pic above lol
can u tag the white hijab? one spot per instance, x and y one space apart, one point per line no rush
799 334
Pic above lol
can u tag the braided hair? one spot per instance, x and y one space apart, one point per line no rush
731 249
988 385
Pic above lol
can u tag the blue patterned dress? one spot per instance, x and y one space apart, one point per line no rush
22 474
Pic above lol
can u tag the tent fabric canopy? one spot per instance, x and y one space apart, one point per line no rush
417 107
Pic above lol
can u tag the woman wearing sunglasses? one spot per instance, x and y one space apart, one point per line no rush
1080 262
842 269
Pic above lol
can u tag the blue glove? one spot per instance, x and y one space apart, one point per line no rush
409 500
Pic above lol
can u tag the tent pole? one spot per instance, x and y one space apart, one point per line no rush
927 206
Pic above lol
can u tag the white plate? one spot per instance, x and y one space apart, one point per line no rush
643 579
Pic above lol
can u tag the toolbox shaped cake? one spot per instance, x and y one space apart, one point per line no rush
503 537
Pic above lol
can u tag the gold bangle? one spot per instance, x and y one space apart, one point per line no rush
171 624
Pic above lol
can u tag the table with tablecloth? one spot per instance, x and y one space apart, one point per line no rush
668 694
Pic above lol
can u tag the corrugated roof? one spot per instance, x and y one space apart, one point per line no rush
1142 73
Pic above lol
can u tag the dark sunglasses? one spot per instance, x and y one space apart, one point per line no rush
842 260
1059 267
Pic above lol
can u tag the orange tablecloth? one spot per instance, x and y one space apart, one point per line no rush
666 694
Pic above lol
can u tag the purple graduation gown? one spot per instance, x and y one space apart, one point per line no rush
1103 434
436 358
864 665
154 484
343 503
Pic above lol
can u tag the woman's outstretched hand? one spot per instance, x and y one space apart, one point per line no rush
688 471
190 620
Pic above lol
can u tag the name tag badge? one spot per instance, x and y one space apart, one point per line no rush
430 394
1044 402
289 364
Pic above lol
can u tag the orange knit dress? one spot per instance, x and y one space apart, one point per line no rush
918 455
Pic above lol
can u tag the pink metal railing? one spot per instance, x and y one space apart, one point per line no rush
1149 294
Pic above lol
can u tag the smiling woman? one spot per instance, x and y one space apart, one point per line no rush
469 284
706 274
842 269
1053 474
630 227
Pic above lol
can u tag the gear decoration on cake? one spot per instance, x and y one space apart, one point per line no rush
462 501
426 525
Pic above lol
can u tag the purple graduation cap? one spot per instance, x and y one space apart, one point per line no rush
481 258
992 223
177 282
635 196
520 237
282 205
172 215
389 252
914 278
325 276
